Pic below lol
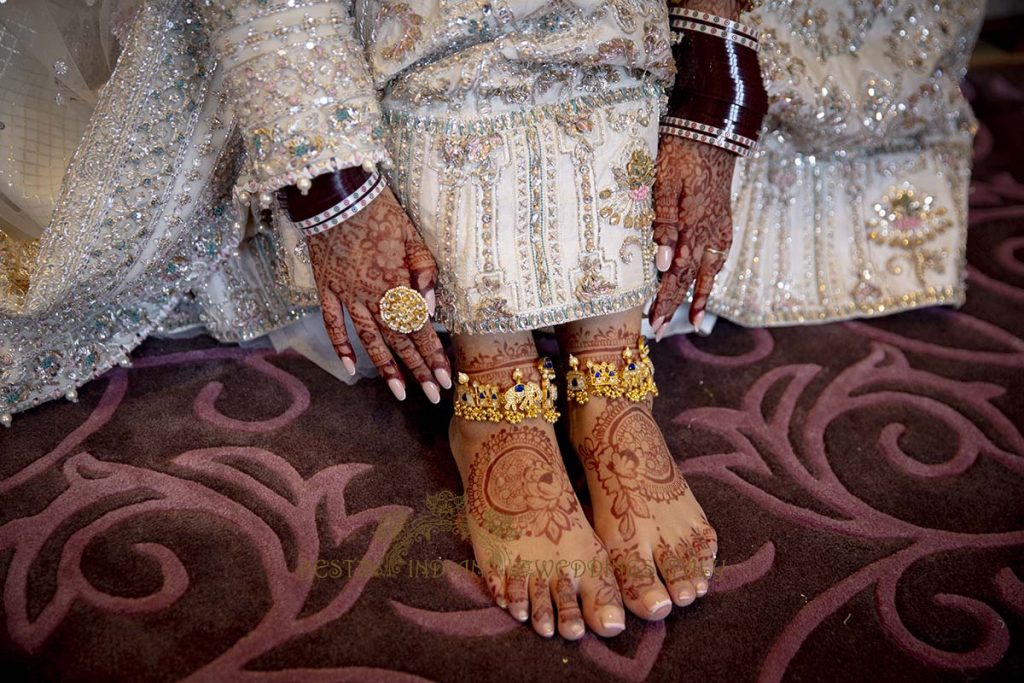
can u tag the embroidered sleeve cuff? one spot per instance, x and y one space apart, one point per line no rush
337 214
300 89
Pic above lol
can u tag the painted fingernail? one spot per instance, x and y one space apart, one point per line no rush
658 322
698 323
656 603
431 298
350 366
443 377
397 388
430 389
664 258
661 333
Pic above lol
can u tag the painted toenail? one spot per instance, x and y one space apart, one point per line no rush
656 604
702 588
612 619
574 629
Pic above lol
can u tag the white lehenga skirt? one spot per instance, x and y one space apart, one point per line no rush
856 204
537 217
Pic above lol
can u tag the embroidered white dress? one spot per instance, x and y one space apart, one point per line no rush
856 202
520 135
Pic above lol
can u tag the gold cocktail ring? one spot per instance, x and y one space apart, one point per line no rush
403 310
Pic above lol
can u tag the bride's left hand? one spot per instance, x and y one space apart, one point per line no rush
692 226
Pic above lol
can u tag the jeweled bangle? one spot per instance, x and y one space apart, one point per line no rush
633 379
518 402
719 96
331 199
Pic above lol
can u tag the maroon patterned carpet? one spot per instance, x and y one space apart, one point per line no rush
865 480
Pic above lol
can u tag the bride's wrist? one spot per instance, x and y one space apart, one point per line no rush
727 9
331 199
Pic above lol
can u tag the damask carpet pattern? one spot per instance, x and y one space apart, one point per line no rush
220 514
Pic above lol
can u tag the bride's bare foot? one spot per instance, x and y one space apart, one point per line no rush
530 536
644 512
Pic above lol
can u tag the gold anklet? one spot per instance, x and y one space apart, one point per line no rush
634 379
522 400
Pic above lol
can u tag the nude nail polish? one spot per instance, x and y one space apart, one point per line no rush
397 388
612 619
431 298
658 322
656 604
350 366
431 391
664 258
698 324
443 377
661 333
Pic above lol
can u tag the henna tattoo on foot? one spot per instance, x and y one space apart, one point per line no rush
628 455
518 487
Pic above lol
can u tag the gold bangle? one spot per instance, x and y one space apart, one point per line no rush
634 379
521 401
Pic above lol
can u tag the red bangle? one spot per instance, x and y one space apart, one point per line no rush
719 96
332 199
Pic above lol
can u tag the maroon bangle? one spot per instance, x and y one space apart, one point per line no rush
332 199
719 96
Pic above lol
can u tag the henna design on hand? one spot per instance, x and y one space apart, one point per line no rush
518 487
631 462
693 214
354 265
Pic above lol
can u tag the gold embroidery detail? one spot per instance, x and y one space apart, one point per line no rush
908 222
630 202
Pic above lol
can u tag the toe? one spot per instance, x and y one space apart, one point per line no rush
680 569
496 585
704 545
570 618
642 592
517 595
541 613
602 605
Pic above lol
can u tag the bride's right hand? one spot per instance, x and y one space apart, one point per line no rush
355 264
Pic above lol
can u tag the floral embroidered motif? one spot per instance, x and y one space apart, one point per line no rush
630 202
410 23
903 220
